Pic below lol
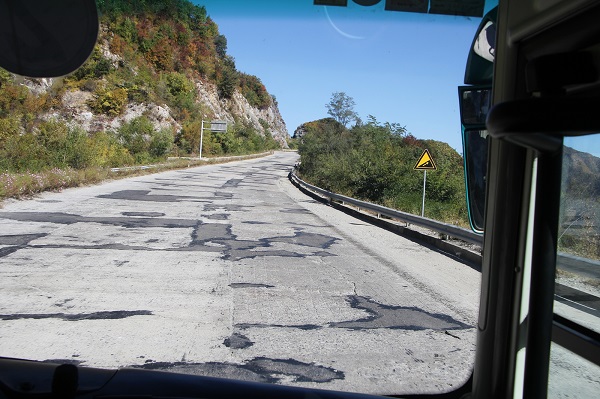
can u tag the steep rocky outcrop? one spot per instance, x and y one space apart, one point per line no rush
238 108
74 107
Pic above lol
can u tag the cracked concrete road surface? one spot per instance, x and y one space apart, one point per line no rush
230 271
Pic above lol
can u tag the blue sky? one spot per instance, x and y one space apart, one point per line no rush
398 67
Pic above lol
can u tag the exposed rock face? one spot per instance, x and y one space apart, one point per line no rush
238 107
75 109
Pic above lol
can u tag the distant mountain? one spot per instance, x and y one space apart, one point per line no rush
579 229
581 174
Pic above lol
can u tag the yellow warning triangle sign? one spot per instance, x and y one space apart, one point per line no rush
425 162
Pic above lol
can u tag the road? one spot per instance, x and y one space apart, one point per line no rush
229 270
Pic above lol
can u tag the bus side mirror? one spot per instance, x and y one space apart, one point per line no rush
46 38
475 143
475 102
474 106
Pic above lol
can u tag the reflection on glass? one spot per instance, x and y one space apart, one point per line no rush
485 44
578 261
476 153
475 105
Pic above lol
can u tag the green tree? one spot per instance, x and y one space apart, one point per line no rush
161 143
221 45
228 80
341 108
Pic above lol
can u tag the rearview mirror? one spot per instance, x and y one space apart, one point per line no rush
46 38
474 105
475 102
475 144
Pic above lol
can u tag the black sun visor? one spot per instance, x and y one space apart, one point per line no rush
46 38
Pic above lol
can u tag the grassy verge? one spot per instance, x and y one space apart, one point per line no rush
26 185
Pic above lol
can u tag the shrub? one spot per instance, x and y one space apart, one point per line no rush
108 152
374 162
161 143
9 126
135 135
109 102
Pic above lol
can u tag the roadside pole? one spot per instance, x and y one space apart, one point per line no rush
201 135
424 184
425 163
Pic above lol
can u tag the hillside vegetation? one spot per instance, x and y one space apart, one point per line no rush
374 162
138 94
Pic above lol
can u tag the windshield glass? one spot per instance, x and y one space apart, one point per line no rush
222 266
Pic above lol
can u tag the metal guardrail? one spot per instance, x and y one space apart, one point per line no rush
582 266
440 227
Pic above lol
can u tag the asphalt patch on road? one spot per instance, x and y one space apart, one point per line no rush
226 208
237 341
307 239
211 236
15 242
69 218
20 239
396 317
217 216
259 369
143 214
303 327
208 237
379 316
232 183
300 211
105 315
144 195
250 285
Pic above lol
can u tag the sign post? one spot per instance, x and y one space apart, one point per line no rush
425 163
215 126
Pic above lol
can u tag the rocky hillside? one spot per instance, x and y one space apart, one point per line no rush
161 64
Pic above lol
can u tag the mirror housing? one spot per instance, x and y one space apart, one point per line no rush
41 39
475 102
480 63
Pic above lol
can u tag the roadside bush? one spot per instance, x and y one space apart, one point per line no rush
108 152
22 152
135 135
188 139
9 126
374 162
161 143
